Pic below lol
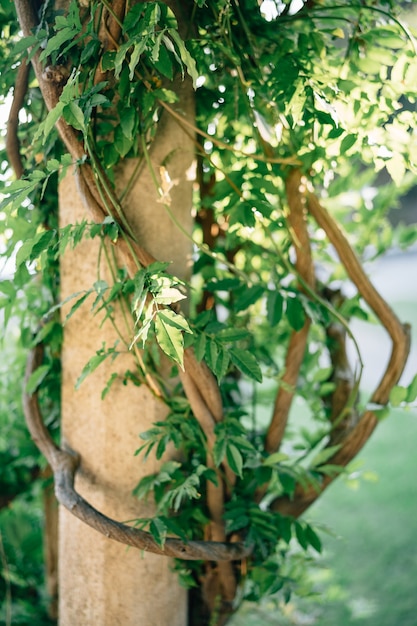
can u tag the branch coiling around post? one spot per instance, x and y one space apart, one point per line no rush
64 465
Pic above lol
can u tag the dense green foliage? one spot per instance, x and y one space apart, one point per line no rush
327 89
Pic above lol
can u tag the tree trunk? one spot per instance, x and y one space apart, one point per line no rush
103 582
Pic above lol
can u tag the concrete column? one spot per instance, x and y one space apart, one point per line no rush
103 583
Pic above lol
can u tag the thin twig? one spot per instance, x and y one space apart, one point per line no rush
224 146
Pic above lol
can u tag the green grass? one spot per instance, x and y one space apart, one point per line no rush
368 573
374 560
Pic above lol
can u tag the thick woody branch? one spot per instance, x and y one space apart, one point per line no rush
205 382
64 466
215 493
200 410
398 332
12 140
110 31
343 412
354 439
49 88
297 221
49 501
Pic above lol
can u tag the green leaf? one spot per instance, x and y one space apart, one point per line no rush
412 390
94 362
146 325
347 143
74 116
175 319
300 534
398 395
120 57
246 363
163 64
212 352
312 538
234 459
227 335
324 455
24 44
295 106
200 346
32 248
274 307
77 304
55 42
122 144
219 449
224 284
158 530
186 57
109 383
222 364
322 375
91 50
107 60
140 295
138 48
295 313
249 296
50 121
274 459
36 378
169 338
132 17
128 117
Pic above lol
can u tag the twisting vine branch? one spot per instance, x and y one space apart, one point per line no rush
297 221
353 439
343 410
398 332
12 140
